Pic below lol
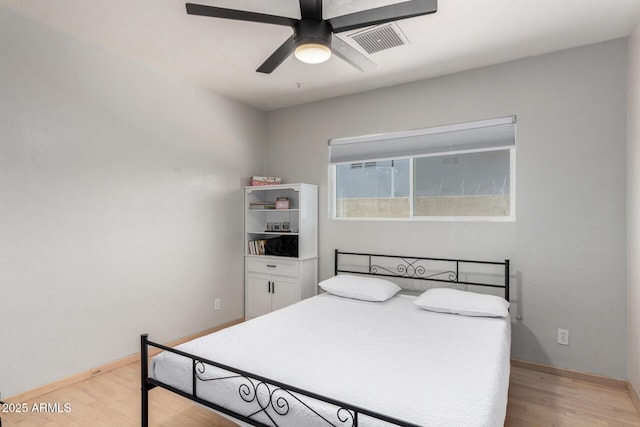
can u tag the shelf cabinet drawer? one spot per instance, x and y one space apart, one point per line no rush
270 266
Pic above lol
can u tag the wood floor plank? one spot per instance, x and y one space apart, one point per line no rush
536 399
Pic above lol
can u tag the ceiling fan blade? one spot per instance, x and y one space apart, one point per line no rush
239 15
351 55
311 9
380 15
283 52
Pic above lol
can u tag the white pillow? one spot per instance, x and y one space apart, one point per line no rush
465 303
359 287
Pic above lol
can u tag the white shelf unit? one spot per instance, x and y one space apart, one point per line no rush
273 282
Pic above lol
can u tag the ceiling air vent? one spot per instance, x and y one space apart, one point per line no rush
379 38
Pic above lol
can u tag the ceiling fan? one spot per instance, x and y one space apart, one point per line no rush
312 40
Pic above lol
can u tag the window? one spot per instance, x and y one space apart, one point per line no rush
462 171
378 189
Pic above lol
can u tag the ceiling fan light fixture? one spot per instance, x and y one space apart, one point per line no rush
313 53
312 40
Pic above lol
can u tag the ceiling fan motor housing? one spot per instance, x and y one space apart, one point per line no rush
312 31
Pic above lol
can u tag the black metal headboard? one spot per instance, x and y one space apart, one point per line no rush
417 268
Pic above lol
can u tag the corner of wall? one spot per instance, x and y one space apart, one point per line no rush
633 207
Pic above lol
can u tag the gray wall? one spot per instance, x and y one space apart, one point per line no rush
120 189
568 244
633 208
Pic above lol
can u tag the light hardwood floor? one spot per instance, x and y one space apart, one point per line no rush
112 399
541 399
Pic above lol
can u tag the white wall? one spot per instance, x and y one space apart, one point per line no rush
568 245
120 189
633 207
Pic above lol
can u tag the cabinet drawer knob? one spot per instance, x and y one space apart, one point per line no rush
271 265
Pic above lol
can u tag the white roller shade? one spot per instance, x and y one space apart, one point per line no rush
479 135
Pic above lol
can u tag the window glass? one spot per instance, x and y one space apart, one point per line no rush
378 189
469 184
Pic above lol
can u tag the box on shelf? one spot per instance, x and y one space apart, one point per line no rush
265 180
282 203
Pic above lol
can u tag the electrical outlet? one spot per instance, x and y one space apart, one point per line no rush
216 304
563 336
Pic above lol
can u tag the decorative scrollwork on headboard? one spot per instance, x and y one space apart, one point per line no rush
410 269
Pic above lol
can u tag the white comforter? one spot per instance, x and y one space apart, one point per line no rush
393 358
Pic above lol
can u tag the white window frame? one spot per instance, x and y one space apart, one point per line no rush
504 218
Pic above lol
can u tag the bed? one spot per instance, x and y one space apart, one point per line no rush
332 360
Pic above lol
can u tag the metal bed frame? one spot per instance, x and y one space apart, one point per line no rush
254 387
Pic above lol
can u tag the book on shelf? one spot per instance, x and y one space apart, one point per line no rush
257 247
262 205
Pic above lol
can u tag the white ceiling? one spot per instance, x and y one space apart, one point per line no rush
223 55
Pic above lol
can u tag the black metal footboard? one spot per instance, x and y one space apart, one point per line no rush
263 397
